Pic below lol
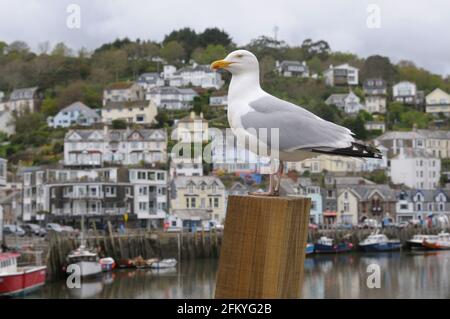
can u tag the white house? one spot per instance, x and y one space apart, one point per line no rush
293 68
415 168
7 125
349 103
171 98
375 125
195 75
343 74
405 92
123 147
375 91
21 100
122 92
75 114
150 80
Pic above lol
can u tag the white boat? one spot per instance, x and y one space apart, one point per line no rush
441 243
379 242
165 263
107 263
87 260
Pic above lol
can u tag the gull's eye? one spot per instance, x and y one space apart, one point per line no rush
239 55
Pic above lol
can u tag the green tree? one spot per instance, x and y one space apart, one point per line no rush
377 66
49 106
119 124
61 49
214 36
173 52
188 39
209 54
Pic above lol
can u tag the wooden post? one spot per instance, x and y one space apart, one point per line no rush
263 248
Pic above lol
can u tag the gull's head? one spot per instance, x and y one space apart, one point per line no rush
238 62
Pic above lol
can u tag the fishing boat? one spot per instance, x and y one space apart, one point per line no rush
87 261
417 241
165 263
108 264
309 248
327 245
16 280
441 243
379 242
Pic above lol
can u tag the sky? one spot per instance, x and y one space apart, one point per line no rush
413 30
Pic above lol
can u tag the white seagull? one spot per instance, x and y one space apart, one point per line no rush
301 134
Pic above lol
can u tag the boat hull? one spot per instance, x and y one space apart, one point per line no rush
89 268
414 245
381 247
309 249
327 249
436 245
23 281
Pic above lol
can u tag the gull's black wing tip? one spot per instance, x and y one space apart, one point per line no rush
355 150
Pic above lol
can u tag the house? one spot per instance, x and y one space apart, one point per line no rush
348 103
150 80
355 203
304 187
375 126
218 99
419 204
138 112
10 202
406 92
375 91
438 102
190 220
343 74
22 100
95 148
293 68
229 157
194 168
435 142
328 163
75 114
199 192
7 125
191 128
195 75
415 168
100 195
3 172
171 98
122 92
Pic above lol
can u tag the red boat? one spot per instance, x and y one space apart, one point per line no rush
19 280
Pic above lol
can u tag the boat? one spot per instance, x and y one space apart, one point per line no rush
16 280
87 260
125 263
327 245
379 242
309 248
441 243
165 263
108 264
417 241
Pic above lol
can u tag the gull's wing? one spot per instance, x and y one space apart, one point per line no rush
298 128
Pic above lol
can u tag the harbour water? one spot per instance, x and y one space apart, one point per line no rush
402 275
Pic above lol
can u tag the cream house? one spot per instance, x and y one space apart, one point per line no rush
138 112
347 206
122 92
334 164
205 193
437 102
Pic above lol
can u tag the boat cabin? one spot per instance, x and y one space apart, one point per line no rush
8 262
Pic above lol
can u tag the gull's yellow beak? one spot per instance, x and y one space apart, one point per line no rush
220 64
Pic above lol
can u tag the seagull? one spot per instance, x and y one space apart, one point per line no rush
301 134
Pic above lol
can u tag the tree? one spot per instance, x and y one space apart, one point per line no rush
18 47
186 37
377 66
113 60
211 53
119 124
44 47
267 65
49 106
214 36
173 52
61 49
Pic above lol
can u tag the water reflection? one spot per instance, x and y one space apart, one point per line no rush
403 275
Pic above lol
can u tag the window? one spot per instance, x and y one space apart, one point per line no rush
403 206
160 176
216 202
193 203
346 207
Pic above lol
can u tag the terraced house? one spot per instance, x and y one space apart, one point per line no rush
96 148
419 204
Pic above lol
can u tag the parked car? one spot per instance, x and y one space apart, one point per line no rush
13 230
54 227
34 229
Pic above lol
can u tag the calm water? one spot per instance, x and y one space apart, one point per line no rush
403 275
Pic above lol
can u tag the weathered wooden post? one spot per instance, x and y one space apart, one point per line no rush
263 248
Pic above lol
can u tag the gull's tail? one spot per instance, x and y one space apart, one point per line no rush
356 150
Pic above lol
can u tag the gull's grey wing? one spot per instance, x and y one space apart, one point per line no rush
298 128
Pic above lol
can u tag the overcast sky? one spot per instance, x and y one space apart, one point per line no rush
413 30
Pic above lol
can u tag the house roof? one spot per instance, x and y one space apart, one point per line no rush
82 108
399 135
171 90
429 195
413 153
435 134
120 86
183 181
23 94
118 135
365 192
